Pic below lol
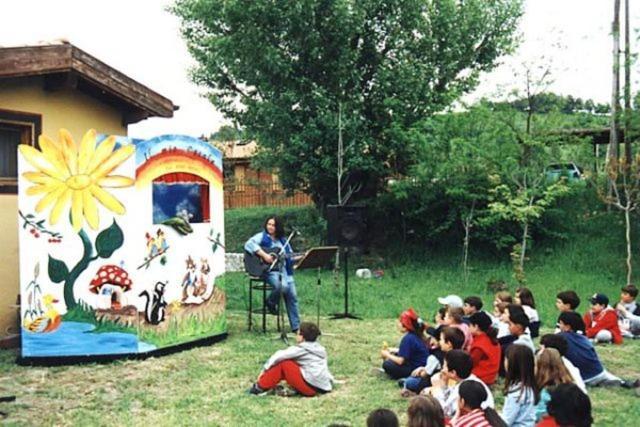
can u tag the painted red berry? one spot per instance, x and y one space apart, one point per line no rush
36 235
32 231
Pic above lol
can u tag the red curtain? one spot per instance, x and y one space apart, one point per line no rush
204 202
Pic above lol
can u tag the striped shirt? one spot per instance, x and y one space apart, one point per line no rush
474 418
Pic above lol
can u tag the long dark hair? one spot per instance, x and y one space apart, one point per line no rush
520 370
474 394
279 226
526 297
485 324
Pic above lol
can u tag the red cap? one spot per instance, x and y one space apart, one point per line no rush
407 318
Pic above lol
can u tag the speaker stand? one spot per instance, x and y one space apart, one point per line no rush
345 314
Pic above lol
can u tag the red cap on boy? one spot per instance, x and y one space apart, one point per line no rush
407 318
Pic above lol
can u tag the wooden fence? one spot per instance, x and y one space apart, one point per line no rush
245 194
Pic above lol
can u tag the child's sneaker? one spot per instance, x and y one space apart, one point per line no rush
256 390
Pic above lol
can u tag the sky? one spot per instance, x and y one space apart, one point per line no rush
141 39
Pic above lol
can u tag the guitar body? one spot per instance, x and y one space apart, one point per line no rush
255 266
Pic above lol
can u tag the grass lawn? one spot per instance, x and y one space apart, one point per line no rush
206 386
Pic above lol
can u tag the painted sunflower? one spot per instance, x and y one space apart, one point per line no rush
67 174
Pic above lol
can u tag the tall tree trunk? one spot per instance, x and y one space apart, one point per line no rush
467 224
627 84
627 222
612 152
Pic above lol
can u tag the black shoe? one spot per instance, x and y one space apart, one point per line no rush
256 390
630 384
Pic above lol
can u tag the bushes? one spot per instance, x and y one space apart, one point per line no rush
240 224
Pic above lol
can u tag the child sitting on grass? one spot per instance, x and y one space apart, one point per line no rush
601 321
568 406
456 369
454 318
470 413
450 339
520 389
582 354
566 301
485 350
413 351
303 366
559 343
518 324
550 372
629 312
524 297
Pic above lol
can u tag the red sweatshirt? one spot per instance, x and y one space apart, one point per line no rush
486 358
607 319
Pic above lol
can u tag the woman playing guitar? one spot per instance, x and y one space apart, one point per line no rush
265 245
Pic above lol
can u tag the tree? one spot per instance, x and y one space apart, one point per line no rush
283 70
623 185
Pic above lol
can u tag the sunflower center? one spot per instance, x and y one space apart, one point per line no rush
79 182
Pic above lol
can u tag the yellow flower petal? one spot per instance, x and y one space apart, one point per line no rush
53 153
76 211
90 210
49 198
69 151
116 181
115 160
58 208
39 178
108 200
101 154
34 190
87 148
40 162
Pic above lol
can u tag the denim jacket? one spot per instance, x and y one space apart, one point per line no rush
519 408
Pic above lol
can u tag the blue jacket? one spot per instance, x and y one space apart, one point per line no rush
581 353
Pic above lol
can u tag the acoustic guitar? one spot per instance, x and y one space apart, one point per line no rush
255 266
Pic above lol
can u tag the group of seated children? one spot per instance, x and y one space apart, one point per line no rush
547 398
451 363
436 361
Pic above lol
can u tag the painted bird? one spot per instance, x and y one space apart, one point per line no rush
48 322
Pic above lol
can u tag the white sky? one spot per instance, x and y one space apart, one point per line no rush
141 39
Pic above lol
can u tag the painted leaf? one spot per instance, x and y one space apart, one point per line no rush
109 240
58 270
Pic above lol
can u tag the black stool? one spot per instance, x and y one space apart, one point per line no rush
260 284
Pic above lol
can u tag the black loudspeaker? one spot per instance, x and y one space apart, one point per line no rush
346 225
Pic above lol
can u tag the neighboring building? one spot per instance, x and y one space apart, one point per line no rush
245 186
42 89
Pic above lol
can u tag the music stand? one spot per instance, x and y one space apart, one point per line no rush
317 258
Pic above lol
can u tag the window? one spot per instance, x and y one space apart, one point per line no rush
15 128
180 196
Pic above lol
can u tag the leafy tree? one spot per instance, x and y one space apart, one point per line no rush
227 133
283 70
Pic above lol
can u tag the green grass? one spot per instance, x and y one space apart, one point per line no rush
206 386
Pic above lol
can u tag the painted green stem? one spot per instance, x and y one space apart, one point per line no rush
81 266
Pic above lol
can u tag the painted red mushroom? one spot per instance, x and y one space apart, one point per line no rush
111 275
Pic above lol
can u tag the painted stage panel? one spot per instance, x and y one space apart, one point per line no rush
121 243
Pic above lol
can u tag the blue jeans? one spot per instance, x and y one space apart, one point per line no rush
290 297
416 384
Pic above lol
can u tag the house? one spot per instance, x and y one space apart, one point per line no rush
246 186
44 88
